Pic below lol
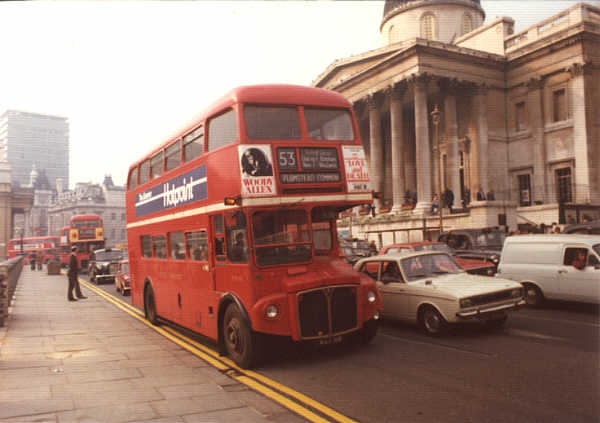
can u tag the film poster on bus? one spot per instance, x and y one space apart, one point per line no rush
357 172
256 167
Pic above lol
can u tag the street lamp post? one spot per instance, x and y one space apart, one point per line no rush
435 117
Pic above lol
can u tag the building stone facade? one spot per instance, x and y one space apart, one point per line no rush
106 200
34 139
519 116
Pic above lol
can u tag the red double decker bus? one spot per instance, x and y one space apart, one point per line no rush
86 232
44 246
231 223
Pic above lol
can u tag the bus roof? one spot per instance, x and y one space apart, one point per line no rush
85 217
258 94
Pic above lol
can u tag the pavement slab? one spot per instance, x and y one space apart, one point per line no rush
90 362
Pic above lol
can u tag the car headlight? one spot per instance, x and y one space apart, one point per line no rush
495 259
371 297
490 272
516 293
466 302
272 311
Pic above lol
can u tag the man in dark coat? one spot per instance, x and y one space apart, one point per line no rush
72 275
448 198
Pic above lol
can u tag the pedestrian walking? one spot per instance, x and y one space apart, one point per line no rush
32 261
448 198
72 274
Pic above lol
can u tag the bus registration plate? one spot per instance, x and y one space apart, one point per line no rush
332 340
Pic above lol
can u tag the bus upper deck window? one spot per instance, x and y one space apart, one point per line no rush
156 165
222 130
272 122
144 170
193 144
132 178
329 124
172 156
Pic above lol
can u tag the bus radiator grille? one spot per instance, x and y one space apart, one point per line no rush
343 306
314 320
327 312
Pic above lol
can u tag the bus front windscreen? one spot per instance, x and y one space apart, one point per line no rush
281 237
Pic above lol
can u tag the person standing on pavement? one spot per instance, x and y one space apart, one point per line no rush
72 275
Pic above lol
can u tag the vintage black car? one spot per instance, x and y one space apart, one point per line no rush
353 249
103 264
592 227
482 244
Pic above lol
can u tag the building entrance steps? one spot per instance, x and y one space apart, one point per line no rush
89 361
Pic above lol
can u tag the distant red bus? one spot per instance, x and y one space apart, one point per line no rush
86 232
231 223
46 246
64 246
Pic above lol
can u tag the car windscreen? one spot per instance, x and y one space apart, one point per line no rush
108 255
430 265
491 240
433 247
597 249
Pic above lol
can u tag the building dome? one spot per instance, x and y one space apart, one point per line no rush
439 20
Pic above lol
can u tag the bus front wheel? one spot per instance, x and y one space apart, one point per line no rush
150 306
240 342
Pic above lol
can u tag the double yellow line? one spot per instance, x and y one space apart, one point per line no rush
295 401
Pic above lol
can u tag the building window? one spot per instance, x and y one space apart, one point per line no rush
467 24
428 26
520 116
524 182
113 216
559 105
564 185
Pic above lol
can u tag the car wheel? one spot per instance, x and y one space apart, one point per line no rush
240 342
496 323
432 322
533 295
150 306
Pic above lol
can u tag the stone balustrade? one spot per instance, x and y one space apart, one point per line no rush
10 271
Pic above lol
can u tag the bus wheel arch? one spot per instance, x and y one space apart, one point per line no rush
150 303
236 337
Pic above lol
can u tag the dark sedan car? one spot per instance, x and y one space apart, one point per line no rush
103 264
480 244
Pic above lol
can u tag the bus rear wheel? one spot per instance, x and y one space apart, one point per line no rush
150 306
240 342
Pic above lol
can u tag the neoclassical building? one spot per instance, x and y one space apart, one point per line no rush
449 101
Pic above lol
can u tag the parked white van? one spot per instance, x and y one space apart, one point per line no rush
562 266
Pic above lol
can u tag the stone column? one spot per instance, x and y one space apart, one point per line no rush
535 110
581 109
481 144
398 162
423 146
449 88
376 142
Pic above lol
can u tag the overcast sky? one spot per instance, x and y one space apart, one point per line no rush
128 74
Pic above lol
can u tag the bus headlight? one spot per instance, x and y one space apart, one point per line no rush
272 311
371 297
